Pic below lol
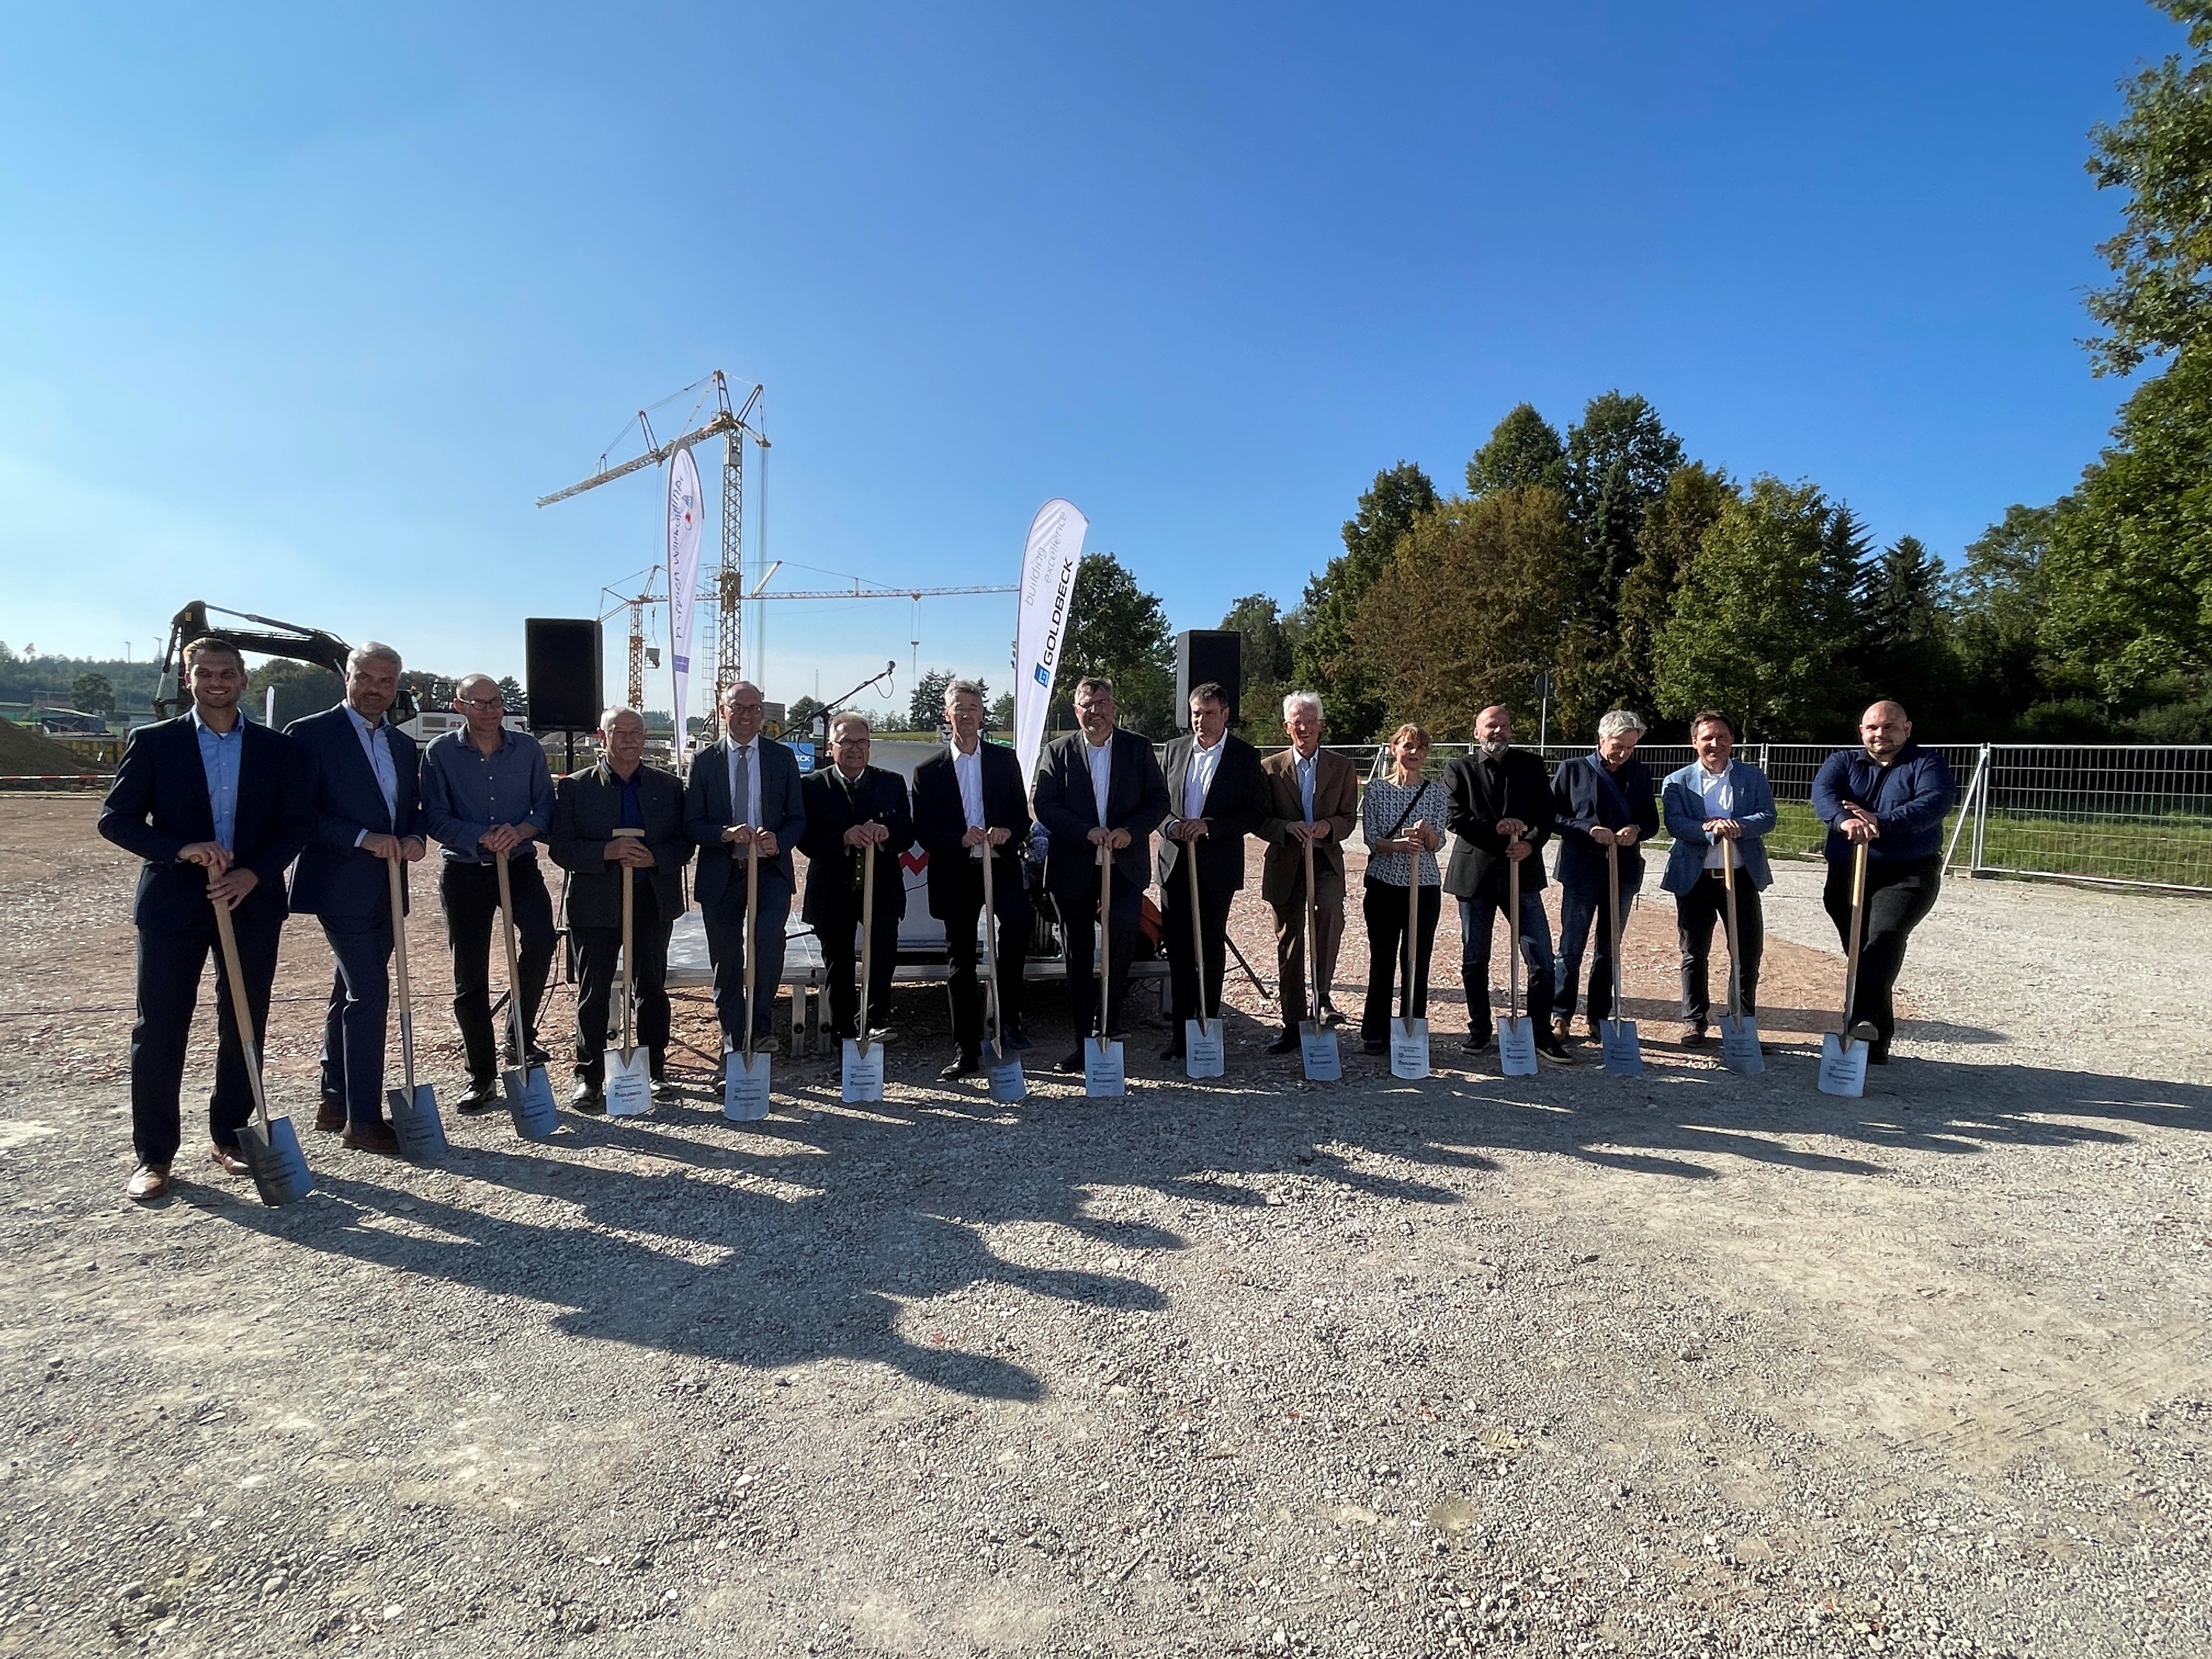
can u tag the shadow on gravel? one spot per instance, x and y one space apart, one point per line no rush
855 1233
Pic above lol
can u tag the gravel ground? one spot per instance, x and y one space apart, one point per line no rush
1685 1364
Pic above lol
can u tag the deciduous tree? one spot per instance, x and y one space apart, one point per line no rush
1324 657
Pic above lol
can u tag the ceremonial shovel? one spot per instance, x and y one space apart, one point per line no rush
629 1080
1204 1053
745 1074
414 1108
1316 1046
529 1095
1739 1050
1517 1032
864 1060
271 1150
1843 1057
1409 1037
1002 1067
1624 1057
1103 1075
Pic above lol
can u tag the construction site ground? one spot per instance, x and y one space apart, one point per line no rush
1684 1363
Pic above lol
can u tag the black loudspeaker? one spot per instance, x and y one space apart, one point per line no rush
562 666
1204 654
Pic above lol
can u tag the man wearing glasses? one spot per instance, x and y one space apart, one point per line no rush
487 790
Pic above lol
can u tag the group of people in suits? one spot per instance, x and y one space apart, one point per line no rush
226 813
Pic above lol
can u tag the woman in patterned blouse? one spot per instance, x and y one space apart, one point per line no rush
1402 817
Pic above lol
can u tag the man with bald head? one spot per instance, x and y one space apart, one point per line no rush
1889 795
487 790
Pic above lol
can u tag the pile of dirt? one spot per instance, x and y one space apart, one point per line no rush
26 753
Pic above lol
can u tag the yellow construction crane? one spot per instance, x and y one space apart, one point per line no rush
641 655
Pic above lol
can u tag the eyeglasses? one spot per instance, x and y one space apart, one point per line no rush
483 702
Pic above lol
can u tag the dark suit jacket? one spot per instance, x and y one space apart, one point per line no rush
1336 797
833 900
586 808
1236 807
939 821
707 813
1478 800
335 878
159 806
1581 797
1136 800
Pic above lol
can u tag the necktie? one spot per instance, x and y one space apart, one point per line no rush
741 788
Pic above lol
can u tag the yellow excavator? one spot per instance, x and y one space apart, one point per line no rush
310 645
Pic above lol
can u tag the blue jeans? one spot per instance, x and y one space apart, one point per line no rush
1476 916
1578 912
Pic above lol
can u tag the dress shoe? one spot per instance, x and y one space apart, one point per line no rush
962 1066
229 1160
1551 1051
1175 1051
1285 1044
376 1137
481 1097
1329 1017
1015 1038
1563 1027
330 1117
1374 1046
1694 1036
588 1098
1478 1042
1877 1053
150 1181
1070 1062
1864 1032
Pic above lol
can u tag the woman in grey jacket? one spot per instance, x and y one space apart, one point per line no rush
1716 808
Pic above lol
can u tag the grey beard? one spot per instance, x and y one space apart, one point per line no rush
1496 747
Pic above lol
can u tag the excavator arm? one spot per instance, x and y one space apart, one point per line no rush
309 644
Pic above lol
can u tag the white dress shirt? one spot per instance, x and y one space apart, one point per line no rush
968 771
1101 759
1720 803
1197 777
747 756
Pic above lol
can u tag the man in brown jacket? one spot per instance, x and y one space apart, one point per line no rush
1312 796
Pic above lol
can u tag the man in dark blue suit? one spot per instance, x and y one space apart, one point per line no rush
1600 800
964 800
854 810
743 790
368 813
1098 788
217 808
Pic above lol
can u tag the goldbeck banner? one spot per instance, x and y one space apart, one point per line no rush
684 515
1048 564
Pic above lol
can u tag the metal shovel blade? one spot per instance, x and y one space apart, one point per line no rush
1740 1049
1842 1065
279 1167
1205 1052
629 1083
1103 1077
1003 1068
415 1121
745 1086
1409 1049
1624 1055
1317 1048
530 1101
864 1073
1517 1047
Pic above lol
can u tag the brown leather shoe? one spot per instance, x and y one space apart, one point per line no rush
1564 1029
370 1137
228 1160
150 1181
330 1118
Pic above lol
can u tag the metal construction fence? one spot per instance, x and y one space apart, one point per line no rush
2129 814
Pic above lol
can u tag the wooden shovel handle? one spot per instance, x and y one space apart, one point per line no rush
243 1009
991 952
513 964
406 987
629 901
1197 933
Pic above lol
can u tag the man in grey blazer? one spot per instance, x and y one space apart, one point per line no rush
744 790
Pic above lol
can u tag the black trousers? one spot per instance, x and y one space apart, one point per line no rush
469 896
1897 896
1384 906
1695 913
963 946
168 989
841 958
1185 967
597 950
1078 919
726 922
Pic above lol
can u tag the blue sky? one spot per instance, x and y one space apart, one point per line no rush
302 308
